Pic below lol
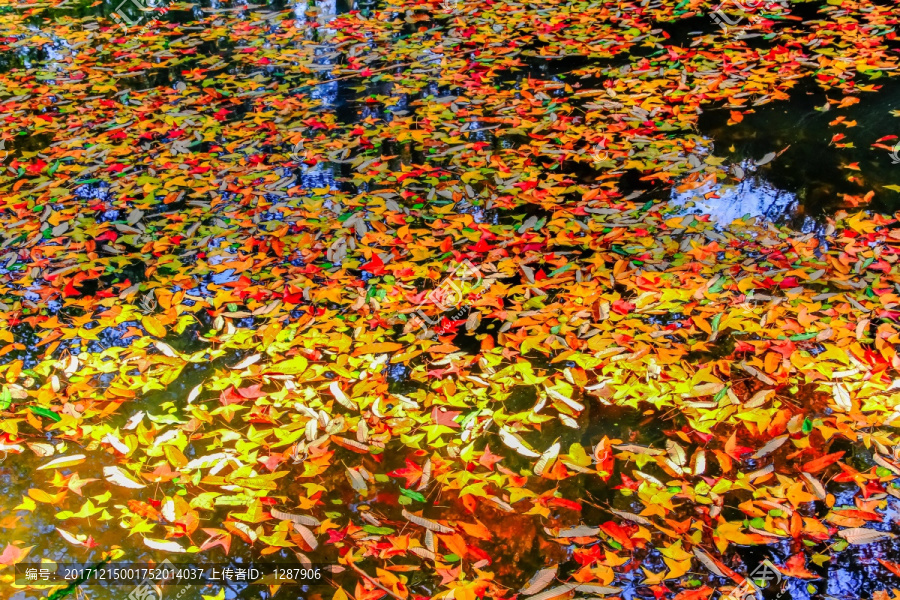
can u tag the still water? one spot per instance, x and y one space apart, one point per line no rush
810 178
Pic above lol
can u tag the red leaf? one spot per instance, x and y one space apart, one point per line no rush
563 503
217 537
412 473
789 282
733 450
70 290
892 567
252 392
12 555
818 464
488 460
374 266
482 246
445 417
699 594
617 533
230 396
795 566
272 461
623 307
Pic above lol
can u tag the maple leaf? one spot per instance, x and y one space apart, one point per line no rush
488 459
412 473
374 266
13 554
75 483
217 537
795 566
441 416
271 462
231 396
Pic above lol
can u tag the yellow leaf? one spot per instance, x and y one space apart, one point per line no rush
293 366
653 578
175 457
702 324
677 568
471 176
27 504
153 326
42 496
378 348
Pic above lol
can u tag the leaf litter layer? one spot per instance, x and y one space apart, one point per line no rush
395 290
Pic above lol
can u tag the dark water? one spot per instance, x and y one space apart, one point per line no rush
812 169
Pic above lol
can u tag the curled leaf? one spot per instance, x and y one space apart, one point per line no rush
116 476
165 545
863 535
539 581
426 523
513 441
63 461
299 519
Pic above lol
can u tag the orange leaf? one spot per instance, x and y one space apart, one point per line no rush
476 530
818 464
455 543
795 566
379 348
890 566
590 194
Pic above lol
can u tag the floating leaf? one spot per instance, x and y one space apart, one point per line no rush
63 462
299 519
153 326
426 523
861 535
118 477
546 458
539 581
513 441
165 545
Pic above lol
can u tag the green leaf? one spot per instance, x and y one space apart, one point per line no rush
45 412
377 530
414 495
5 399
803 336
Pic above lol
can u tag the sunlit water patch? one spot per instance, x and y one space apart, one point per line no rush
727 202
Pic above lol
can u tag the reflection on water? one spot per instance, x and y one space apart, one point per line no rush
726 202
319 175
810 164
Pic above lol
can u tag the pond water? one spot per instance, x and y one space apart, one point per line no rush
811 176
